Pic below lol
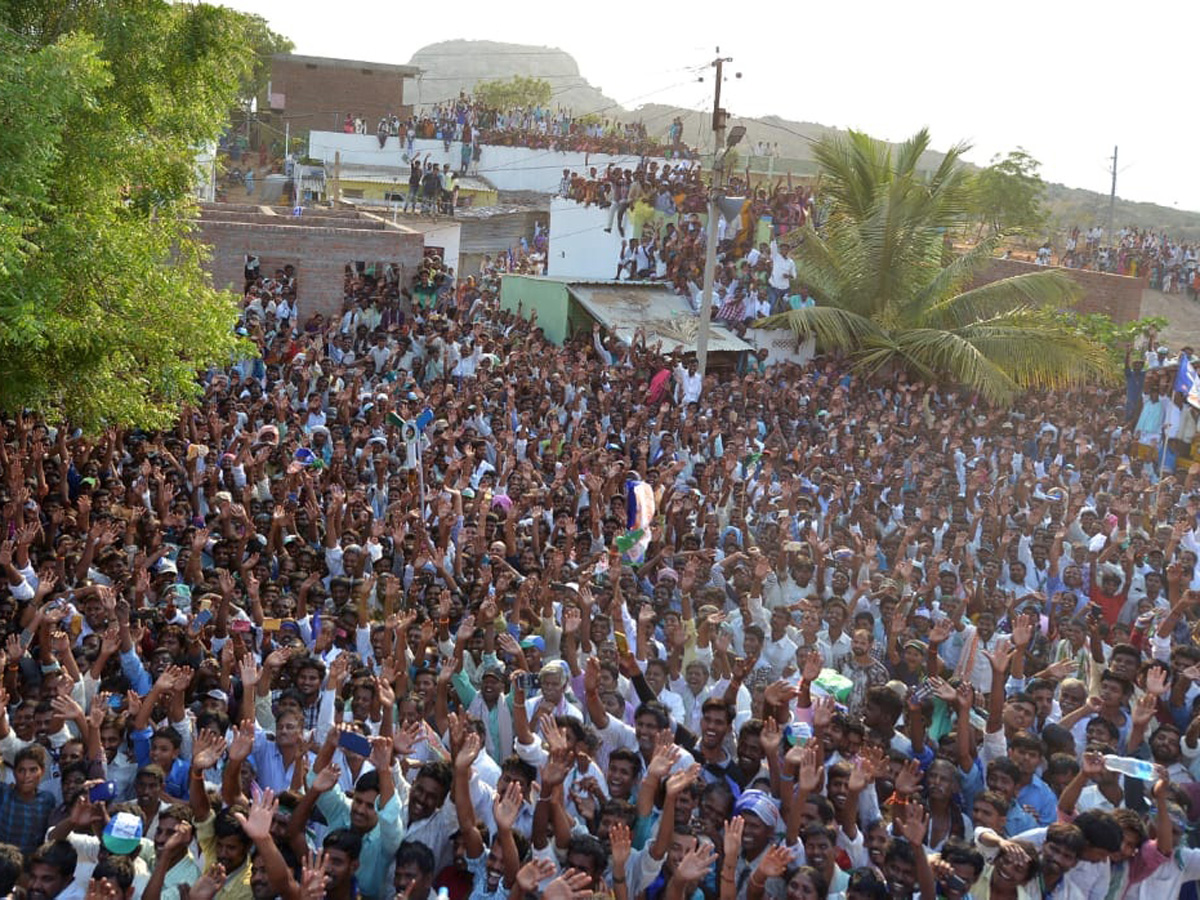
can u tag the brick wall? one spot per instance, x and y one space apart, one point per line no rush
1119 296
319 92
319 254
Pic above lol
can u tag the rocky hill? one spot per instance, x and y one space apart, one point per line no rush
453 66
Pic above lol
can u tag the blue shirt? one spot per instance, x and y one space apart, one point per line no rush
177 779
1038 796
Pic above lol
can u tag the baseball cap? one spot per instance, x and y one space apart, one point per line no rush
123 833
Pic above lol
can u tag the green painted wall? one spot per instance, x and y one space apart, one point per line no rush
548 296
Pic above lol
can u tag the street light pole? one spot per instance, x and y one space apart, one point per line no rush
710 251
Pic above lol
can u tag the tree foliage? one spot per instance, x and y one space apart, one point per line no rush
106 313
1114 337
893 296
1009 194
264 43
519 91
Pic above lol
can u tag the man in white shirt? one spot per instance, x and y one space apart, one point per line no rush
783 270
688 383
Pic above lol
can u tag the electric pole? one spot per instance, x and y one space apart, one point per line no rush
710 253
1112 199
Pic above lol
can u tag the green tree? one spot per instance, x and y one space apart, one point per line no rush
264 43
1009 194
894 296
520 90
106 313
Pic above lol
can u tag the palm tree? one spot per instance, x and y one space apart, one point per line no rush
894 297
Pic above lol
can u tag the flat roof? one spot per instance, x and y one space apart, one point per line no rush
623 307
330 62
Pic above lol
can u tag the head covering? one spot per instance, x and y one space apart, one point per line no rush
492 667
123 833
218 694
760 804
534 641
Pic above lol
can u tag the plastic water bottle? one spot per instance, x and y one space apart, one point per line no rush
1134 768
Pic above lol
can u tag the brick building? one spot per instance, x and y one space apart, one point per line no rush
319 243
314 93
1118 296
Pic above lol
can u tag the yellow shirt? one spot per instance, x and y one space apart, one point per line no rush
237 882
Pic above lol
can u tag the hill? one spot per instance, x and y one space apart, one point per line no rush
449 67
453 66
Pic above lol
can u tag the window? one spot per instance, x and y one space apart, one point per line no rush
366 71
393 197
352 193
310 65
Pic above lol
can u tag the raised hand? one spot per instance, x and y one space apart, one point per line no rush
1145 707
312 877
469 749
506 807
533 873
774 862
733 837
1156 681
621 843
696 864
679 781
914 824
327 778
666 755
257 825
1000 656
206 749
243 741
772 737
908 780
823 709
248 670
208 884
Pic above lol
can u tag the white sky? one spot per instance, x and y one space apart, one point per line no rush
1065 80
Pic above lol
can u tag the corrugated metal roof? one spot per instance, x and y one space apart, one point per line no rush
623 307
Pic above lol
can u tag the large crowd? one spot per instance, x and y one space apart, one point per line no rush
1168 264
661 214
415 603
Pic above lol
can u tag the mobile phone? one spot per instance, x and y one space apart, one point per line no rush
116 701
201 619
103 792
355 743
922 690
240 626
529 682
953 882
622 642
272 624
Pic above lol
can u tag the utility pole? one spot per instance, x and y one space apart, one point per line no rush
710 252
1112 199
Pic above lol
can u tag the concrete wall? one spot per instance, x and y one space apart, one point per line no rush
1118 296
547 296
508 168
579 245
319 254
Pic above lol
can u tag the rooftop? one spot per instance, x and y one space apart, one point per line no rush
331 63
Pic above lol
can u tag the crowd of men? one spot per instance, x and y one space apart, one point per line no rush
660 214
1168 264
415 600
468 119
